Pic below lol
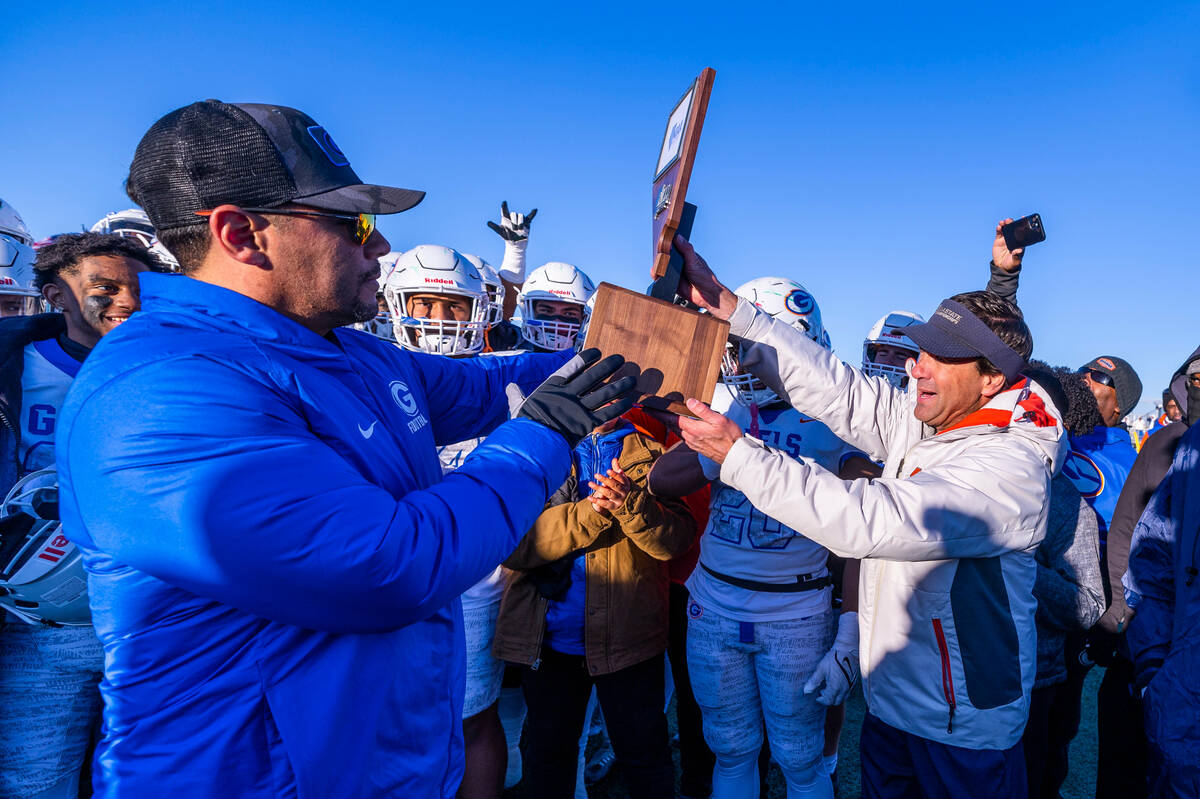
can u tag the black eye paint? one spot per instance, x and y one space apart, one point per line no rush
94 308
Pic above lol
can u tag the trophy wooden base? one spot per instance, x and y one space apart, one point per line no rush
678 351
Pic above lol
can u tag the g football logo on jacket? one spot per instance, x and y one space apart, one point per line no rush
407 403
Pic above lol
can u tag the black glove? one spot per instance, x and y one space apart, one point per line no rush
1102 646
572 401
513 226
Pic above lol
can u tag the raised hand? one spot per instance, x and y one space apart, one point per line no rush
513 226
699 286
1004 258
575 400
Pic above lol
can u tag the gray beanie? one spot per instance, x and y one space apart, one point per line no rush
1125 380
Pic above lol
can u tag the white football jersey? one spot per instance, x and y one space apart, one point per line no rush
47 376
742 542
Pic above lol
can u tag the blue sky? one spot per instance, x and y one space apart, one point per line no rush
865 150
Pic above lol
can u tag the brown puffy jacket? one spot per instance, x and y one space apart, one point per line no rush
627 579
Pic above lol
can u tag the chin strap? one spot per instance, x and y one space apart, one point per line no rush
754 419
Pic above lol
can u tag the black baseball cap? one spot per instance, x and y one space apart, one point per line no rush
262 156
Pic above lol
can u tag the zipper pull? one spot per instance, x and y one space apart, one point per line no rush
535 665
949 724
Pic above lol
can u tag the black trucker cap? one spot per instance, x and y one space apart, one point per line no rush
260 156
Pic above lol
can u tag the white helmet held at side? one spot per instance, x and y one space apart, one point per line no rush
430 269
554 282
41 572
787 301
13 226
889 332
17 278
494 287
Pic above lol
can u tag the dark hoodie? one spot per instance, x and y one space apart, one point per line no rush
1147 472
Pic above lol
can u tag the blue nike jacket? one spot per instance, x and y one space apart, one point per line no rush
274 556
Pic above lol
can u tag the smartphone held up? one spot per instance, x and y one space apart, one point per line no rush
1023 232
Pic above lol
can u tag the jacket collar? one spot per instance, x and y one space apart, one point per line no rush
1022 410
1019 404
224 309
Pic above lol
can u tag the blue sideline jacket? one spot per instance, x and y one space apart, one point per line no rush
274 554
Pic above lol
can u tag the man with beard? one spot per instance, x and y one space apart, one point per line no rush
275 557
49 702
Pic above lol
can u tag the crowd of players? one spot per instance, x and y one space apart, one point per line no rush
758 623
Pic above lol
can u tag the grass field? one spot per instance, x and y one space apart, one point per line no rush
1080 784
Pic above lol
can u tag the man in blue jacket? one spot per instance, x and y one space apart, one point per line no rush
1164 635
275 558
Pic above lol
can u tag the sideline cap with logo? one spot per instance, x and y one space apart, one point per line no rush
954 332
1126 381
260 156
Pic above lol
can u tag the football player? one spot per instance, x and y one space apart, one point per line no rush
886 349
50 659
18 294
554 306
764 644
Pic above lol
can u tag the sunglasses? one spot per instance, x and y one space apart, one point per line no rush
1101 378
361 226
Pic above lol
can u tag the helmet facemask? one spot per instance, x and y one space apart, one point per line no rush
437 336
748 390
896 375
549 334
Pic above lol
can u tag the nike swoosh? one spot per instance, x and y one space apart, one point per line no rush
370 431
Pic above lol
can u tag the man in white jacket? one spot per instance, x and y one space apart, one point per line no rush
947 535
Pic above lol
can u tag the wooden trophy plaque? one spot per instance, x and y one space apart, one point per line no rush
677 350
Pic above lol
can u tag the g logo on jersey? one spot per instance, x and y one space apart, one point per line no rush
1083 474
403 397
799 302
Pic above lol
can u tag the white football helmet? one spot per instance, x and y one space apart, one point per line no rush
889 330
16 277
556 282
787 301
494 287
41 572
429 269
132 223
13 226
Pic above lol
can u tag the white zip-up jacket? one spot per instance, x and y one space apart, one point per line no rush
947 535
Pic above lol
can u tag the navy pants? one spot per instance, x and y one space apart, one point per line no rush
900 765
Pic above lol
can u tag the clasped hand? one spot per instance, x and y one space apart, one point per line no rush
610 489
